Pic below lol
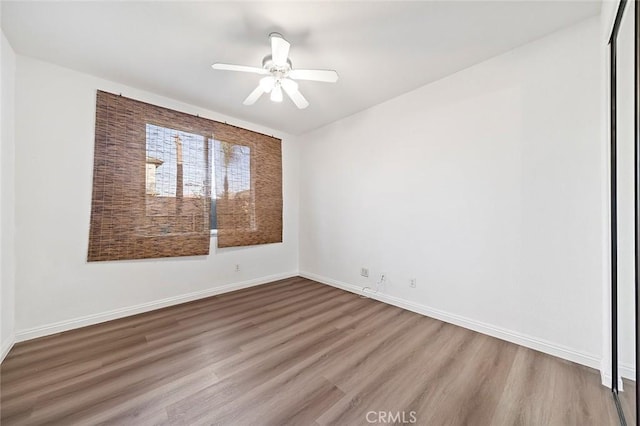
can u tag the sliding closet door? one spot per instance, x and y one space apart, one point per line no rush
626 195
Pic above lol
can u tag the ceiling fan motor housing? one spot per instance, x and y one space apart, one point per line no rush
282 70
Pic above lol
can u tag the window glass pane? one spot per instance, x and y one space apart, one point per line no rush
233 188
213 218
175 181
234 163
169 152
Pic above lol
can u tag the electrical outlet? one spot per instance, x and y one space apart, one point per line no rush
364 272
412 283
237 267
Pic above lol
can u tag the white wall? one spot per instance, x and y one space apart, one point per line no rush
7 216
57 289
484 186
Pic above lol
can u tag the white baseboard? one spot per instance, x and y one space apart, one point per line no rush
606 380
541 345
627 371
6 346
74 323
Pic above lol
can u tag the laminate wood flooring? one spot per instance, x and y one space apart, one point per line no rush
628 401
292 352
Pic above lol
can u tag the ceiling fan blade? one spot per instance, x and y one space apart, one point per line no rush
241 68
291 87
254 96
328 76
279 49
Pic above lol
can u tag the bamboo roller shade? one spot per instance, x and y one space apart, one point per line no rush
152 183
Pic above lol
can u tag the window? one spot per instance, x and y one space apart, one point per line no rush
163 179
233 182
176 180
234 191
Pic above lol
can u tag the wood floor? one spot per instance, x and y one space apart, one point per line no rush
628 401
292 352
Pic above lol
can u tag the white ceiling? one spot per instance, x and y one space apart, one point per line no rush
380 49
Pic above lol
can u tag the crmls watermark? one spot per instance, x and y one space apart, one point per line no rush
391 417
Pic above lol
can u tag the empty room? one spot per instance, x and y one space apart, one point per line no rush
319 212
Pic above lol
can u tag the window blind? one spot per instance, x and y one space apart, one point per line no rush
248 183
151 181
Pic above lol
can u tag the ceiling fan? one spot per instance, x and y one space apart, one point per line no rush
279 74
